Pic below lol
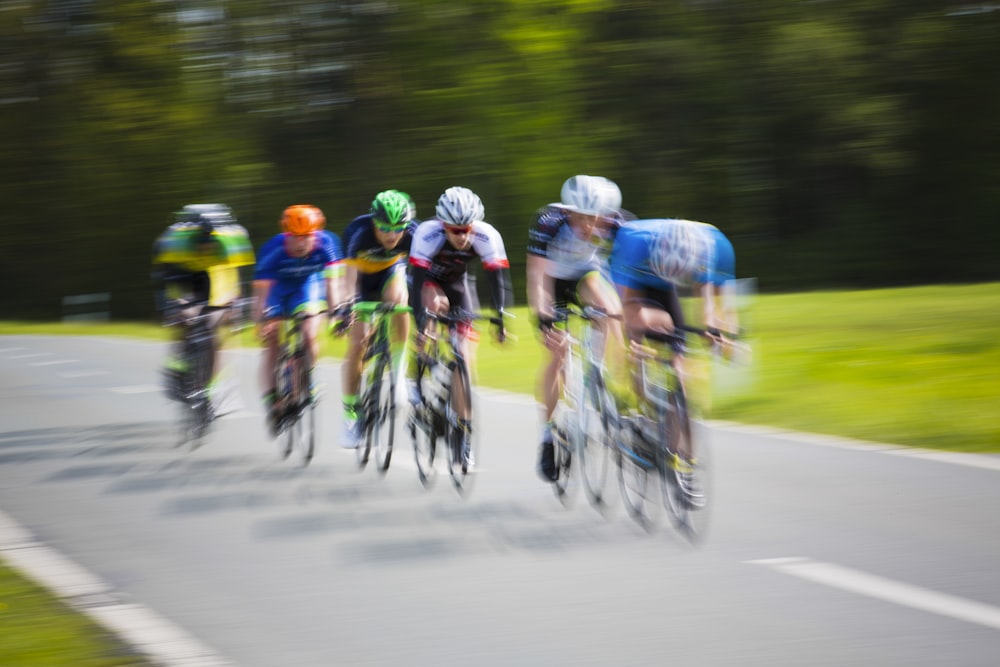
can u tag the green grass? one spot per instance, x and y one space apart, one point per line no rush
37 630
914 366
911 366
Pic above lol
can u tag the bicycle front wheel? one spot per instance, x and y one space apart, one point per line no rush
425 425
461 436
382 418
595 430
564 442
304 427
366 408
685 470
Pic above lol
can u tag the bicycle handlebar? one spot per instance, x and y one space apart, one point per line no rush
459 315
371 308
588 313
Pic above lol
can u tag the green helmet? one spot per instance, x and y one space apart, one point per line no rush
393 209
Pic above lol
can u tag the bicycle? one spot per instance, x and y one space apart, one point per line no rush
295 402
190 386
587 422
446 393
663 447
378 384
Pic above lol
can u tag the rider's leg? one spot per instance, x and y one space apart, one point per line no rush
350 372
395 292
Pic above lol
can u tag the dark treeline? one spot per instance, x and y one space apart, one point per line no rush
838 142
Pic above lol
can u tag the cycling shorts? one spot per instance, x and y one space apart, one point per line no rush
372 285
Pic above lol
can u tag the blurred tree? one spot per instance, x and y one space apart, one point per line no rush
838 143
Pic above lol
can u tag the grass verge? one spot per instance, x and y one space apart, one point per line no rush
38 630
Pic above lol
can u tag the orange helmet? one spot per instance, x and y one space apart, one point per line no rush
302 219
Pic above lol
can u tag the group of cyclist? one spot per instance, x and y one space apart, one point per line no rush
585 249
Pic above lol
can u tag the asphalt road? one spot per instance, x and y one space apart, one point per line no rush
819 552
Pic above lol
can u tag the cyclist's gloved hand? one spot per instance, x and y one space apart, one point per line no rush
544 322
341 319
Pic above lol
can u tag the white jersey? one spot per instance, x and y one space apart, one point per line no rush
445 263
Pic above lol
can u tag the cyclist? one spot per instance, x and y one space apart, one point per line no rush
566 262
648 261
650 258
377 246
443 247
197 264
299 270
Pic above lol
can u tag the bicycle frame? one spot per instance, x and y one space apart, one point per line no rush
660 452
588 422
293 386
197 350
447 409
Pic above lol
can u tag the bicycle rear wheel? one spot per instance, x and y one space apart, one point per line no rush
461 435
284 389
425 424
688 510
596 429
383 416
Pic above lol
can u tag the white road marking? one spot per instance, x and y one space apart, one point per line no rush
957 458
888 590
983 461
31 355
5 350
54 362
137 389
83 374
156 637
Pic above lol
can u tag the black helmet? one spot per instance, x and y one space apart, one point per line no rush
207 217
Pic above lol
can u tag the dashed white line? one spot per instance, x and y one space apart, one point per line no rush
31 355
887 590
54 362
137 389
156 637
83 374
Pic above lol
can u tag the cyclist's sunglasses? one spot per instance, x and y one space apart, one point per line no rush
458 230
385 227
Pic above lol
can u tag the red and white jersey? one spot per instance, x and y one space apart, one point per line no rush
446 264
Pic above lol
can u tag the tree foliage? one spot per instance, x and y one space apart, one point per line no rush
837 142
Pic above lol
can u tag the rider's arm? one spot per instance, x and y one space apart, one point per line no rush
333 276
418 274
499 280
159 287
540 286
261 290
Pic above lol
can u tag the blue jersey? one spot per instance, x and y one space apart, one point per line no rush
711 257
274 262
724 257
298 281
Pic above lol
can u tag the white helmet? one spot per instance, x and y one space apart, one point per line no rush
678 251
591 195
459 206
